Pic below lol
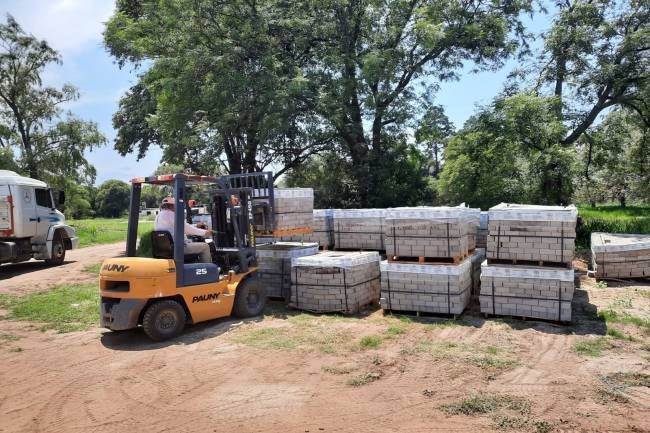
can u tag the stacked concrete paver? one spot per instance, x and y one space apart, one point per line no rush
335 281
432 232
521 234
438 289
482 234
617 255
274 265
532 233
359 229
323 226
292 208
533 291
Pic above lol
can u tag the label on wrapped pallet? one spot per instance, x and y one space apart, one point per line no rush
336 259
526 212
412 268
615 242
293 192
285 250
359 213
515 271
323 213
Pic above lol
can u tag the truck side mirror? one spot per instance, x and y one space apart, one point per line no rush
61 199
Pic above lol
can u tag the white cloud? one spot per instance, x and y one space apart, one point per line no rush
69 26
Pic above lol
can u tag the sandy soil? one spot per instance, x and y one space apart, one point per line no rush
34 276
230 376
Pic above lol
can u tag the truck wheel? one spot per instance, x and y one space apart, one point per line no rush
251 298
164 320
58 251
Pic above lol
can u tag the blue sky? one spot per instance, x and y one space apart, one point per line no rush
74 28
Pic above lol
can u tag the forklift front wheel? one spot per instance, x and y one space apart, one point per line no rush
251 298
163 320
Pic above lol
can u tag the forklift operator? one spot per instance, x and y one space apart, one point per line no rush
165 222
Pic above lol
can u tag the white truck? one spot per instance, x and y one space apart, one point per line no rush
30 224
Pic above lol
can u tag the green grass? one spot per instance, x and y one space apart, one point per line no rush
593 347
105 230
93 269
611 316
618 334
611 219
343 369
364 379
615 386
395 330
482 404
370 342
64 308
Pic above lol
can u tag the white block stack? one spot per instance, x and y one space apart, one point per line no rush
292 209
438 289
617 255
274 265
532 233
335 281
481 236
520 238
533 291
323 234
359 229
430 232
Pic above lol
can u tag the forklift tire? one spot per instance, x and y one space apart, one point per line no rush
250 299
58 251
163 320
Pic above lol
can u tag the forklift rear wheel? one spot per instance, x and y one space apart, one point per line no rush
58 251
163 320
251 298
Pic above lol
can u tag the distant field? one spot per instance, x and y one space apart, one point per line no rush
105 230
611 219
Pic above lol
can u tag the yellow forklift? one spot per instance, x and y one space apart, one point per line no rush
165 292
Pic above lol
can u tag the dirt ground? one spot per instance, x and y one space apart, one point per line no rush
34 276
292 372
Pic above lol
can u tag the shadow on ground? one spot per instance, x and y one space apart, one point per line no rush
10 270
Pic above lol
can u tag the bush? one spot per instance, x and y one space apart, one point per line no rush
611 219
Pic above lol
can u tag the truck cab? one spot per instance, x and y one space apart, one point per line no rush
30 224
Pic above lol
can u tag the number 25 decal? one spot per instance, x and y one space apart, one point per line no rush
201 271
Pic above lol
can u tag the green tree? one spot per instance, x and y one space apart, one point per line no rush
224 89
509 152
432 134
48 146
378 50
113 198
595 56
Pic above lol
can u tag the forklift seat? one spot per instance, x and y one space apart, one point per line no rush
162 247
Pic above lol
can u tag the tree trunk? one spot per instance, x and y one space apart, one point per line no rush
622 200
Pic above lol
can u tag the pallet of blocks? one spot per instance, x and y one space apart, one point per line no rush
292 210
429 234
359 229
615 255
323 234
435 289
481 235
527 291
274 265
335 281
528 233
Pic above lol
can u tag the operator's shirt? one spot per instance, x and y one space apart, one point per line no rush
165 221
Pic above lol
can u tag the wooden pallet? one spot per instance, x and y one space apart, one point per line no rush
541 263
424 314
525 318
285 232
357 250
422 260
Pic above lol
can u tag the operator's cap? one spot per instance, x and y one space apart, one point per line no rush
168 200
